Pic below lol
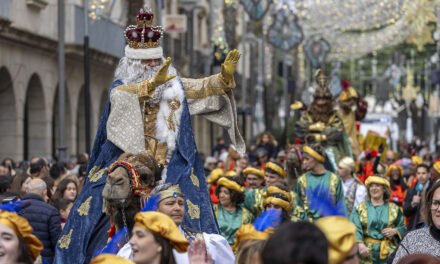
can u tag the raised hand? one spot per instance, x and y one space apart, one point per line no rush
198 254
147 87
162 76
228 66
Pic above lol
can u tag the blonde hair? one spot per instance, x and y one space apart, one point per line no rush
247 250
348 164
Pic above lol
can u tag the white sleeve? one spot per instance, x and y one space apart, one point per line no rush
180 257
219 249
361 194
126 252
124 125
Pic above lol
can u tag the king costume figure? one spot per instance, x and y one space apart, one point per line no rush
322 124
148 110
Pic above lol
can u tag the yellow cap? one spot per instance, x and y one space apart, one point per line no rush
230 184
275 189
394 167
22 229
378 180
314 154
163 226
231 174
248 232
348 94
436 166
214 175
278 201
416 160
340 233
110 259
276 168
253 171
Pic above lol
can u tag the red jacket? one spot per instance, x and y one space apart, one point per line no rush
397 195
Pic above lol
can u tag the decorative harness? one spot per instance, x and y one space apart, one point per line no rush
136 187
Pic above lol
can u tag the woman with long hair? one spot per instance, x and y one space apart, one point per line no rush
379 223
67 189
268 142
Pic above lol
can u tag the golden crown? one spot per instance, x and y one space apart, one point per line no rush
321 92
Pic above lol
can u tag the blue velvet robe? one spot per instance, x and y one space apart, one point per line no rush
84 234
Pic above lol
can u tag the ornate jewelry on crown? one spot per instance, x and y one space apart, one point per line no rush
143 35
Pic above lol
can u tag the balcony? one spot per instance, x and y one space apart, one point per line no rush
105 35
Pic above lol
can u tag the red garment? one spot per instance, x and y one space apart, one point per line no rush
214 197
231 165
397 195
367 171
413 182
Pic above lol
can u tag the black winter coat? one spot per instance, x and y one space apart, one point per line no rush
45 221
413 213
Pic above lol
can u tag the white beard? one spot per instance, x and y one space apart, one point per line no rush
131 71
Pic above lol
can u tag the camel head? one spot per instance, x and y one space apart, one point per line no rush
132 175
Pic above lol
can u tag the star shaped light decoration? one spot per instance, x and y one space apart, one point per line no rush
285 33
256 9
317 49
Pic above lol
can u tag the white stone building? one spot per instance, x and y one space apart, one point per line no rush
29 75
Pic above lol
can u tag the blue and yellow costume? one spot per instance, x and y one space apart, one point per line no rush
132 123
